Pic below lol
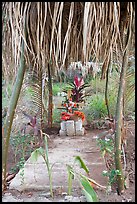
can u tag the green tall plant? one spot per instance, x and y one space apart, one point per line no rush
84 181
11 110
44 154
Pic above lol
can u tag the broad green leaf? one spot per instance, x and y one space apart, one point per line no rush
41 150
82 164
90 194
35 154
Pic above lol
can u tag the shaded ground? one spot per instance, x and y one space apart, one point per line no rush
86 147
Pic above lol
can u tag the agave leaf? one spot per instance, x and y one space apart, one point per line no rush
88 190
82 164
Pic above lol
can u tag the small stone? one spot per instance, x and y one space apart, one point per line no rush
83 199
75 199
68 198
64 193
47 195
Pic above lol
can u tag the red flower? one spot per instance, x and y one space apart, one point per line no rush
65 117
80 114
63 113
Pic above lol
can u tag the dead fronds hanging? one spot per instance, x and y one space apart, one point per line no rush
64 32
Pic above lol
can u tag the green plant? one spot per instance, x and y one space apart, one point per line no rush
57 87
44 153
106 146
112 174
84 181
107 152
21 144
56 116
20 165
97 107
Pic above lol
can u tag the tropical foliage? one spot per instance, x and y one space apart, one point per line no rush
77 89
57 34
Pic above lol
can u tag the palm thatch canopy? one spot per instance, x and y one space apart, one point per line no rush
63 32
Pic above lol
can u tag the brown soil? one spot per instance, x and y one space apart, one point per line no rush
129 194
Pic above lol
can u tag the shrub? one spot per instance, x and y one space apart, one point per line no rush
97 107
58 87
56 116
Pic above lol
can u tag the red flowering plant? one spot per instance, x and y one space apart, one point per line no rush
77 87
80 115
65 116
70 105
69 116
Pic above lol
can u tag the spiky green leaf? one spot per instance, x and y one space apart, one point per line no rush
82 164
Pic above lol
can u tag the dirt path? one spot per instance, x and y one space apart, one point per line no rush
62 151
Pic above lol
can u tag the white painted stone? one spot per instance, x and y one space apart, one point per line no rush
62 133
70 127
80 132
63 125
78 125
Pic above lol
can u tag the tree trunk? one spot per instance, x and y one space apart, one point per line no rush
11 112
106 91
50 104
119 117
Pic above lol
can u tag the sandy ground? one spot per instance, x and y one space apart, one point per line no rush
64 149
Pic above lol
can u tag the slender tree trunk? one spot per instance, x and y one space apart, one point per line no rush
11 112
119 117
106 91
50 104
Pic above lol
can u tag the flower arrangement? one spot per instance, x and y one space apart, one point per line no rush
80 115
67 116
70 105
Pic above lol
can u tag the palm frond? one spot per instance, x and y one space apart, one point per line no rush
66 31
